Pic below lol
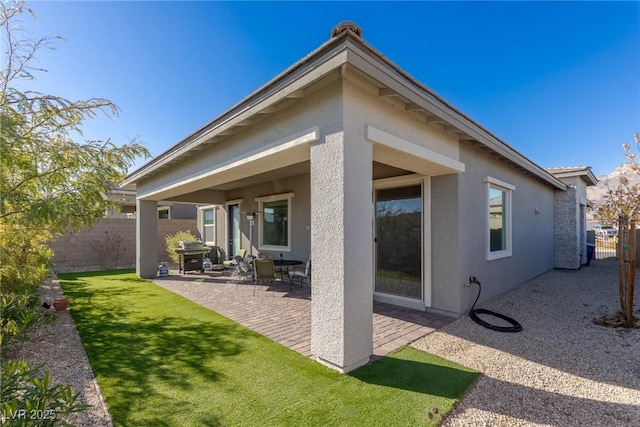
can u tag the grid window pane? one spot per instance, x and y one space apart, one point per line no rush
275 227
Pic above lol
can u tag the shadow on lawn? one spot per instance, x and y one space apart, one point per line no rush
419 377
133 353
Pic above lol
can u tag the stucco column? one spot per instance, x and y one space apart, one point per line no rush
341 247
146 238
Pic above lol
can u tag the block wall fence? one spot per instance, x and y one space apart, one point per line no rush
110 244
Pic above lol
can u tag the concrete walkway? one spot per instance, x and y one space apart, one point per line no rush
284 315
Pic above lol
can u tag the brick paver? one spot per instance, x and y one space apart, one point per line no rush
284 315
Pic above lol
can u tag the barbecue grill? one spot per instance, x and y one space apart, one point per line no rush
192 254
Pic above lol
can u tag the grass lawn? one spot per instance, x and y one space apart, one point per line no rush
163 360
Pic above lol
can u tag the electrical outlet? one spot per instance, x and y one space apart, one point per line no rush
472 279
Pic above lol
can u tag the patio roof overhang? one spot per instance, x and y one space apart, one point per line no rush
397 152
279 154
343 54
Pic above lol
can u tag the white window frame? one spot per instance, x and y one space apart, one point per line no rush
202 209
508 190
273 198
164 208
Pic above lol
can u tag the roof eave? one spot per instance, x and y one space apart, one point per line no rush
259 100
585 173
322 61
419 94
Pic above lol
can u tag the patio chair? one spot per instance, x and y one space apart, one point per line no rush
301 275
264 271
242 270
242 253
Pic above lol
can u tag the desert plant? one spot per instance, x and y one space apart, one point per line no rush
48 179
172 241
19 312
29 398
50 182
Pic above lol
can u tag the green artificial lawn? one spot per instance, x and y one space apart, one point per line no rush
162 360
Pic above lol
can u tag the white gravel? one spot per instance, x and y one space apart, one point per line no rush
56 344
562 369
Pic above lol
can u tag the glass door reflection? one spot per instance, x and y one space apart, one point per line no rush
398 227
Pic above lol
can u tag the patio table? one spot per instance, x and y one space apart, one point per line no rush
283 265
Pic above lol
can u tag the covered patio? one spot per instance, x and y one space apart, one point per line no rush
284 315
316 165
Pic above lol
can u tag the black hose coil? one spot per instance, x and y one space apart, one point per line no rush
473 314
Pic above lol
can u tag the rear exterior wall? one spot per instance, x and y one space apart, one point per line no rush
532 227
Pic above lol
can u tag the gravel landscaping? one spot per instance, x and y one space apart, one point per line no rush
561 370
56 343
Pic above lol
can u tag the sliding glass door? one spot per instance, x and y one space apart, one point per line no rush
398 241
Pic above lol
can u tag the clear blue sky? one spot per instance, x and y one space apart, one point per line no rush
559 82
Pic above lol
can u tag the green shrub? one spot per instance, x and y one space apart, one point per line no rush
29 399
172 241
24 264
18 313
24 259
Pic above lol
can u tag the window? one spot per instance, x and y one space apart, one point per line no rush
208 226
163 213
275 222
498 218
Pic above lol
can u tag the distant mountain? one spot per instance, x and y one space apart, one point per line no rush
596 193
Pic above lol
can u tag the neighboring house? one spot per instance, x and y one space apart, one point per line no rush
395 194
166 210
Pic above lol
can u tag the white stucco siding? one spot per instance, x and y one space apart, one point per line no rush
341 219
300 214
532 227
319 110
363 107
446 243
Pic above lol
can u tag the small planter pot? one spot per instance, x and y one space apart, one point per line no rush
61 304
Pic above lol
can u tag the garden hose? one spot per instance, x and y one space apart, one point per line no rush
473 314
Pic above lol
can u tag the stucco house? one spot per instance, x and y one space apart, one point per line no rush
395 194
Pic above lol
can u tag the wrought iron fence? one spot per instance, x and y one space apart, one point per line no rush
605 247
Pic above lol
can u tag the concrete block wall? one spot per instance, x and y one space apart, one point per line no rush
109 244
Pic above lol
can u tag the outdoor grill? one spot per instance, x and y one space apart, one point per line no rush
192 254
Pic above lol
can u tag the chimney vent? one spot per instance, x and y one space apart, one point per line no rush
345 26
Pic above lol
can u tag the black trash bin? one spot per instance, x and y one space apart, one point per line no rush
591 250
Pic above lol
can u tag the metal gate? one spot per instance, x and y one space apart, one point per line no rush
605 247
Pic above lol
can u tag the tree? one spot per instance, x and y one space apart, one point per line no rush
49 183
622 205
624 200
48 180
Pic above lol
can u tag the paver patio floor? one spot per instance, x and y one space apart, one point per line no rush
284 315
